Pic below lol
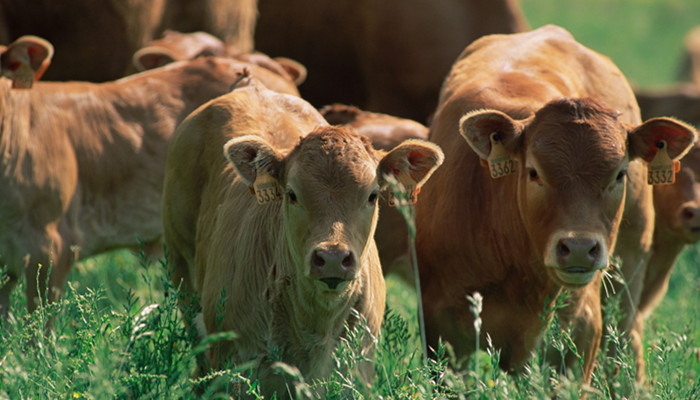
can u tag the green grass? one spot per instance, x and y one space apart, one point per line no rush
643 37
116 335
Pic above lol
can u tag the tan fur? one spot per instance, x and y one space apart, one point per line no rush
386 56
265 257
385 132
82 164
555 105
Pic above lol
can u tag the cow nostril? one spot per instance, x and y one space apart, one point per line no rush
594 252
562 249
688 214
317 260
349 261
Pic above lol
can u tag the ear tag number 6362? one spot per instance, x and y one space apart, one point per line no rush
500 162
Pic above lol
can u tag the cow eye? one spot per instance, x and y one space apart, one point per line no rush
533 174
292 197
372 197
621 175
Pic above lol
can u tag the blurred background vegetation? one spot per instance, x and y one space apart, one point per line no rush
643 37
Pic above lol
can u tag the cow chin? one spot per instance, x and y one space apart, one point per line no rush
573 277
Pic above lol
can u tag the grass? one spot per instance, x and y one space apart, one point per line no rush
121 337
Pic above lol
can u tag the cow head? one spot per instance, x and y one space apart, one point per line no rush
329 186
25 60
678 206
570 160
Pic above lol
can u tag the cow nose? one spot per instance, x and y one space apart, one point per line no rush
332 258
582 252
332 266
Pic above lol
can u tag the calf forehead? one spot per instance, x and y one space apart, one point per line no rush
333 158
577 139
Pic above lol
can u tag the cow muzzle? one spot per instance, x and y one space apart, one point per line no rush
576 258
690 220
333 265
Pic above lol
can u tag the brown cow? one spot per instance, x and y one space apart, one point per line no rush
558 125
385 132
293 266
82 163
391 54
176 46
95 40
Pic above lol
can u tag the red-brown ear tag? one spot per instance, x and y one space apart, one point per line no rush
662 169
409 193
500 162
267 189
23 77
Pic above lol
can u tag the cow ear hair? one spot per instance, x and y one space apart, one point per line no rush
295 69
26 59
250 156
413 159
476 128
644 139
151 57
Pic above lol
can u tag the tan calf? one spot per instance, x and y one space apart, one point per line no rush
543 143
293 267
82 164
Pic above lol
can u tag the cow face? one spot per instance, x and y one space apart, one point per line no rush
570 161
329 185
678 206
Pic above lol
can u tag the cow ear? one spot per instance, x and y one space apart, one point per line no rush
478 129
411 162
295 69
646 139
25 60
151 57
251 157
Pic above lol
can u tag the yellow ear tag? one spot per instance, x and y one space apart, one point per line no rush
662 170
23 77
410 193
500 162
267 190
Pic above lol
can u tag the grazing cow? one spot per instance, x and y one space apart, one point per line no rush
282 226
95 40
385 132
391 54
82 163
559 129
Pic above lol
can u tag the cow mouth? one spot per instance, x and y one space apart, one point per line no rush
333 283
575 275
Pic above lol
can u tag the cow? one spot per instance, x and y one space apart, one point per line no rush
681 100
95 40
385 132
270 208
544 176
177 46
392 54
82 163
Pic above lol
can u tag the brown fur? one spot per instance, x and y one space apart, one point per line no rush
82 163
555 105
385 132
95 40
390 55
266 256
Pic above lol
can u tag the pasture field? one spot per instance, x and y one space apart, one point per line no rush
117 332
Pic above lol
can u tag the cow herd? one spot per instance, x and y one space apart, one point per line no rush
536 170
